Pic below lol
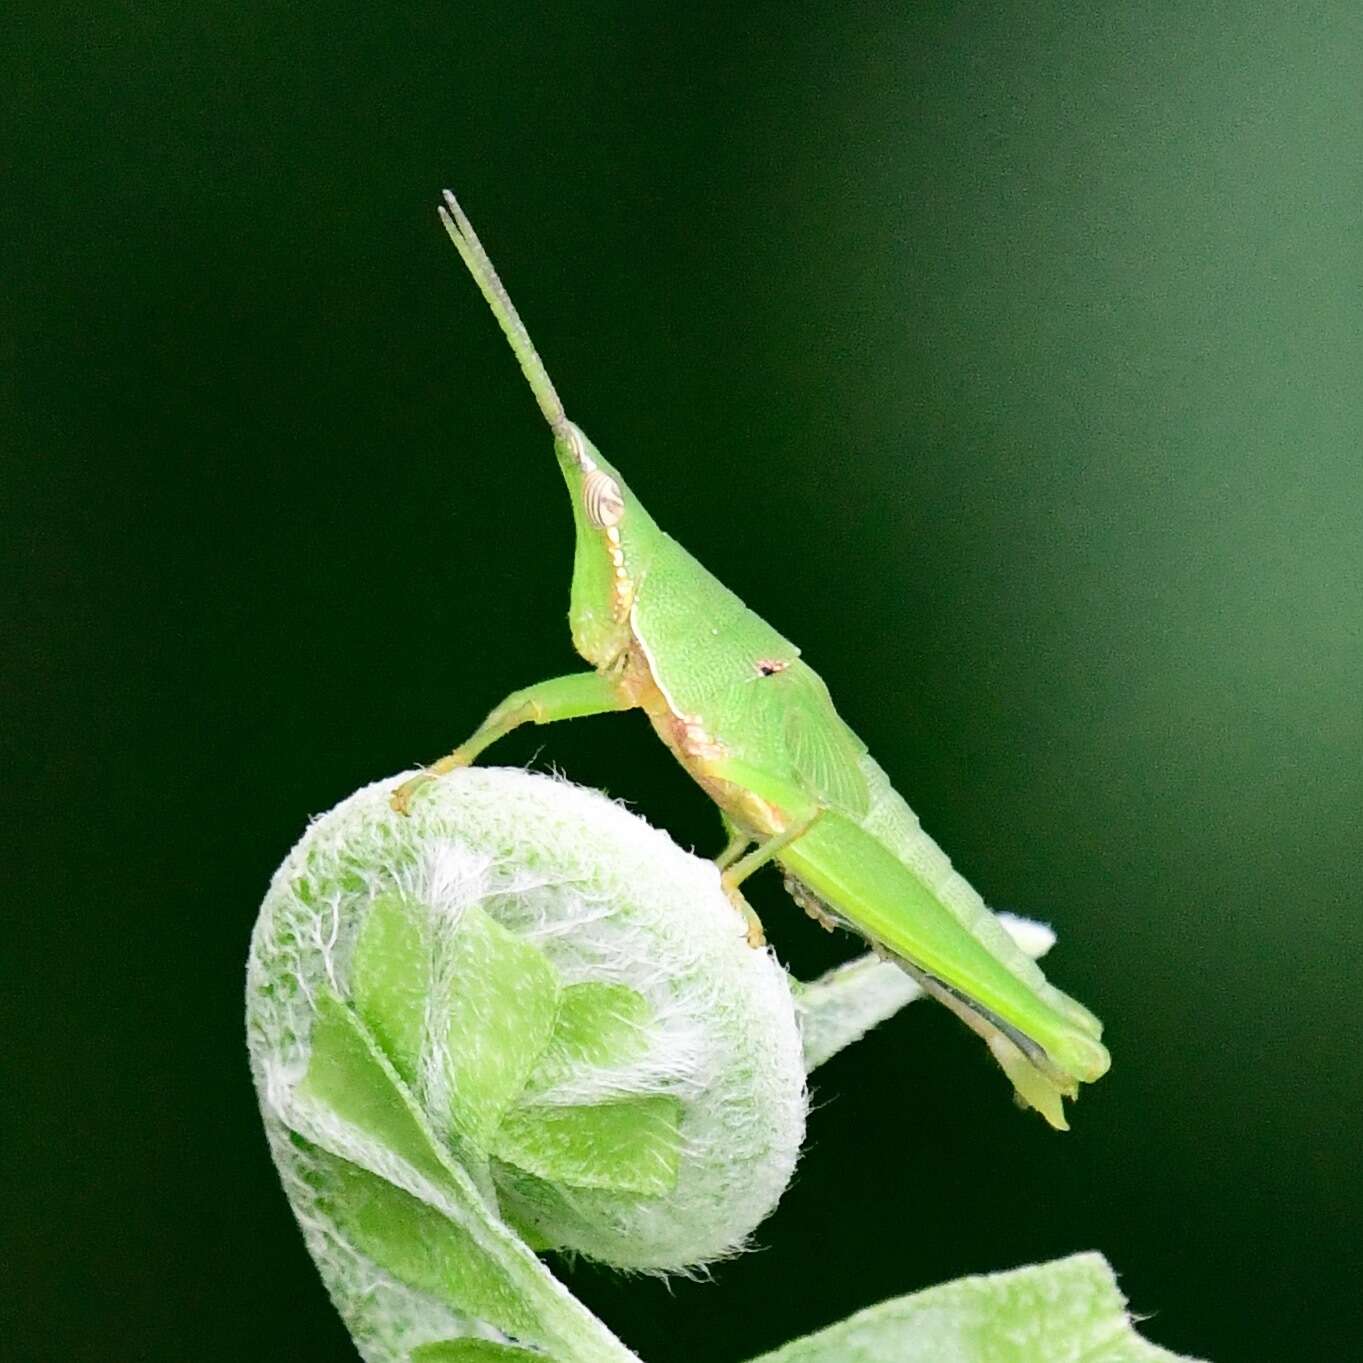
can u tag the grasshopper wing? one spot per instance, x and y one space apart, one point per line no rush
821 753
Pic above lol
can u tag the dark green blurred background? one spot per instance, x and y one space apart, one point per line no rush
1007 357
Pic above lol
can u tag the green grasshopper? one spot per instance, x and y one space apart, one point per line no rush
755 726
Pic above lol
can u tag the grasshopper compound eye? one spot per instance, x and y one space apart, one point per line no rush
602 500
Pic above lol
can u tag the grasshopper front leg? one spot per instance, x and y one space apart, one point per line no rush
572 697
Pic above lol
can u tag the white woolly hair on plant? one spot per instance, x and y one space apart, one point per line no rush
521 1019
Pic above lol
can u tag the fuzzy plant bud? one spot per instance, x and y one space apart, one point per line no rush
518 1014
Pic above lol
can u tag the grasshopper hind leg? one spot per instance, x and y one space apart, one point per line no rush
1014 1051
815 907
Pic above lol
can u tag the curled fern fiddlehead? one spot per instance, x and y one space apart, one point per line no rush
519 1017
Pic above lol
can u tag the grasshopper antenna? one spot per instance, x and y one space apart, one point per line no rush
480 267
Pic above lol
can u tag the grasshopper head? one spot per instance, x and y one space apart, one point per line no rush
614 540
614 533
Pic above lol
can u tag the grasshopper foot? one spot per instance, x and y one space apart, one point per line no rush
756 936
401 799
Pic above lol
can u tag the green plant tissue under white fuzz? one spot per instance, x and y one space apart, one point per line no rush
604 899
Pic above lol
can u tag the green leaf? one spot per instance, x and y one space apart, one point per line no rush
1067 1311
598 1025
346 1073
389 977
472 1262
418 1245
473 1351
500 998
629 1146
